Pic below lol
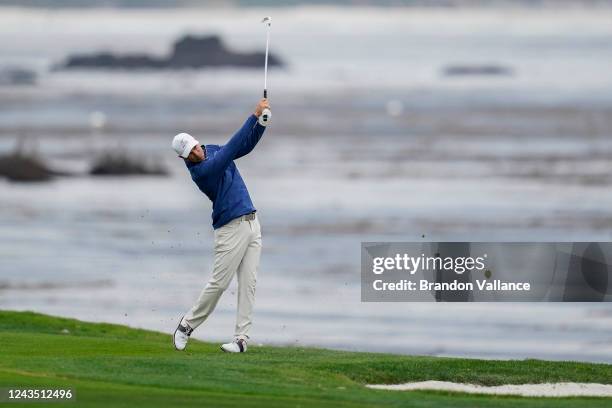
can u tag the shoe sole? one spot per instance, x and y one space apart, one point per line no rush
231 352
174 334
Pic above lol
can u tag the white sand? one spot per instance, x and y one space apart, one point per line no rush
525 390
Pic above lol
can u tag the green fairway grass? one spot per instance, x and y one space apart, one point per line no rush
116 366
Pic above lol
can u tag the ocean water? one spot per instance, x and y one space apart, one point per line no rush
369 142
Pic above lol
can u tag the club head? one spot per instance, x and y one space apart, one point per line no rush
267 20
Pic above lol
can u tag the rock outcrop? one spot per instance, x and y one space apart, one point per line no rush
21 167
120 164
188 52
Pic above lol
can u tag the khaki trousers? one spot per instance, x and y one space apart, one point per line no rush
237 251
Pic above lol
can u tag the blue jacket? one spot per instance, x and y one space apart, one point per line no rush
218 177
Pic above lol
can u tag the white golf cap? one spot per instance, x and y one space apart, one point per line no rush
183 143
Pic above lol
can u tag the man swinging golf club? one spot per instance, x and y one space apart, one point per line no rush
237 230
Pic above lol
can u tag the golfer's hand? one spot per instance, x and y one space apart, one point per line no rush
261 105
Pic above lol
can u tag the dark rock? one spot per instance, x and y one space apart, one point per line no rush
20 167
188 52
119 164
462 70
106 60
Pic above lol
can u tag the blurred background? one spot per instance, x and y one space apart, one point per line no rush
393 121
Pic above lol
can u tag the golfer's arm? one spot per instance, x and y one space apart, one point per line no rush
243 141
251 133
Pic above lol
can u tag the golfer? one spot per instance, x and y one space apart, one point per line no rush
234 219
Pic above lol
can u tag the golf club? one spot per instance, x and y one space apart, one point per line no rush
266 115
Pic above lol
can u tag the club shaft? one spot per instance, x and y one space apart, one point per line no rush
266 62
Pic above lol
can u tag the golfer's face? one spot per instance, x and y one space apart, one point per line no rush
196 154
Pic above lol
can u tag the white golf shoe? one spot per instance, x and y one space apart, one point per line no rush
181 336
236 346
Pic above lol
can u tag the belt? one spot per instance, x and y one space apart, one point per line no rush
248 217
